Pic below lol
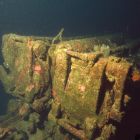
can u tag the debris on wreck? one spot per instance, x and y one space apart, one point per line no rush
67 89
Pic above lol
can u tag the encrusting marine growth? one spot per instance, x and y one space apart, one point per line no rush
66 88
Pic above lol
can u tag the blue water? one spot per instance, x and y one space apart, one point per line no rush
78 17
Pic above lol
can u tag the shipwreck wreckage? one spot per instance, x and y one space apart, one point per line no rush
66 88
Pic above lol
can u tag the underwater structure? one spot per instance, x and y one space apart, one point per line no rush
67 88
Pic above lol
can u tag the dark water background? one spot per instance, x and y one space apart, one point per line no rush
78 17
